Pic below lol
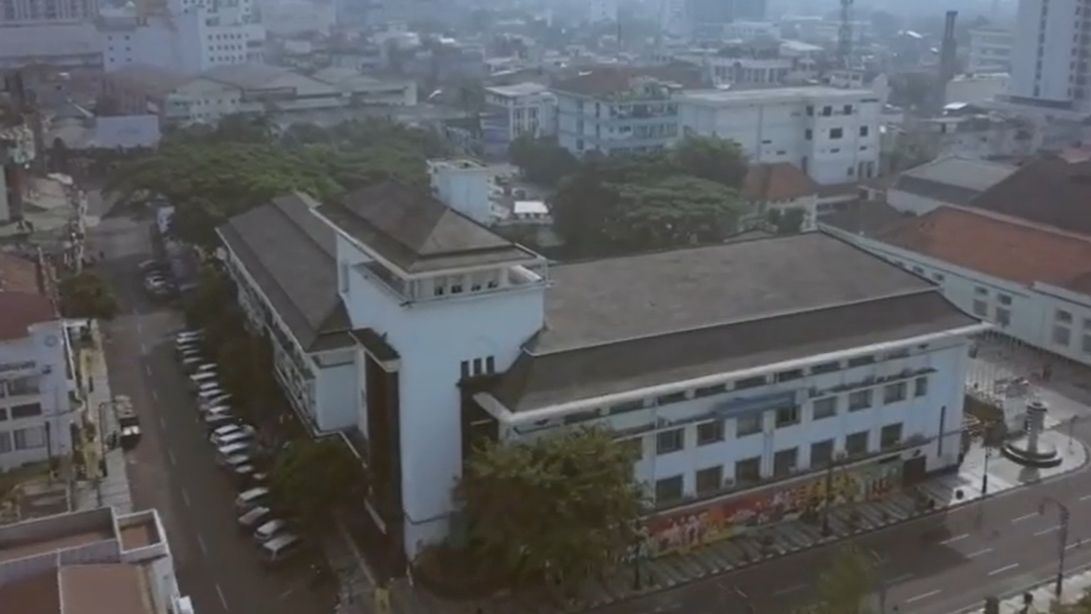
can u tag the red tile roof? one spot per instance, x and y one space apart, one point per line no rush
18 274
777 181
19 310
998 246
1050 190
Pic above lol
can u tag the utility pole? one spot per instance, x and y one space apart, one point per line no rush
844 35
1062 538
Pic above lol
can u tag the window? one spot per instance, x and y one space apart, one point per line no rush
892 393
1086 350
28 410
669 441
821 453
890 436
810 110
848 109
1003 316
748 424
918 270
29 438
787 376
748 471
490 364
824 408
709 391
477 366
668 489
827 111
464 369
826 367
981 308
667 399
710 432
750 382
836 133
634 447
1062 335
980 291
863 130
920 386
856 443
860 361
3 414
1005 299
710 479
787 416
808 134
785 462
1063 316
456 286
861 399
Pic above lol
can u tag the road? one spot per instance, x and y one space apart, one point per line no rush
934 565
172 468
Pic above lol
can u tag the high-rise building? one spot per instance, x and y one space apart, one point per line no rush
36 12
1049 62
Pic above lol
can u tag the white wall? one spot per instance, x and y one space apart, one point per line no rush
337 391
1061 26
466 190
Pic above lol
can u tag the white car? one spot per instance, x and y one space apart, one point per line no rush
244 434
270 529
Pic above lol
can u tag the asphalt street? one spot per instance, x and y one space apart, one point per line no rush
934 565
172 468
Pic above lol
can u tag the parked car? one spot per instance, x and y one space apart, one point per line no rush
214 420
254 517
208 400
228 429
270 529
192 333
148 266
247 475
190 362
250 499
244 434
281 549
231 463
240 447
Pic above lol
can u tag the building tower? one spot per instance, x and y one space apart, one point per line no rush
1050 56
947 51
844 35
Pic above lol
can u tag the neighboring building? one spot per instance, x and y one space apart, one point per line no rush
36 370
990 50
975 88
90 561
817 352
63 46
1031 281
118 132
1051 190
831 134
1048 59
602 11
781 186
613 109
360 90
39 12
524 109
750 66
948 180
968 132
467 186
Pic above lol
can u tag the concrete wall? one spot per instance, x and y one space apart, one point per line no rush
338 393
911 203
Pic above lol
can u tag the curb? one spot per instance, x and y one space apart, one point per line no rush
824 541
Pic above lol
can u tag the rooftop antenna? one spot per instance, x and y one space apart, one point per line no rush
844 34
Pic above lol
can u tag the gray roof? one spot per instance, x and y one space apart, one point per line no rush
539 381
153 80
416 232
864 217
526 88
611 300
292 256
952 179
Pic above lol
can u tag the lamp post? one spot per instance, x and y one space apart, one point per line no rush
1062 538
828 495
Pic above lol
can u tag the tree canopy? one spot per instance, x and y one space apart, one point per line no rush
847 584
712 158
311 477
86 295
559 509
542 161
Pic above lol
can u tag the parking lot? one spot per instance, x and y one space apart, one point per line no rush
173 468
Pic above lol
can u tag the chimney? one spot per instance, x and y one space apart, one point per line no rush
947 52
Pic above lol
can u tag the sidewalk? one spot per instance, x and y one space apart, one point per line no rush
1043 596
764 543
112 490
355 593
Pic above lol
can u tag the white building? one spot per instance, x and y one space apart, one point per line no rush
990 50
831 134
602 11
617 110
467 186
458 334
949 180
94 558
64 46
36 372
523 109
38 12
1048 59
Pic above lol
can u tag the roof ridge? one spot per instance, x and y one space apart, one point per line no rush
1013 220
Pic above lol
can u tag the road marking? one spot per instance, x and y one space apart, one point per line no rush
791 589
173 461
139 329
931 593
143 348
979 553
148 370
1085 498
1003 569
223 600
901 578
201 543
1024 517
162 423
155 395
957 538
185 497
1047 531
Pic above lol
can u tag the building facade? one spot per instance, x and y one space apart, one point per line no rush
524 109
1049 59
39 12
990 50
831 134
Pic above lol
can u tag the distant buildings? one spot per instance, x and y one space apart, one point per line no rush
831 134
990 50
37 12
1049 60
948 180
523 109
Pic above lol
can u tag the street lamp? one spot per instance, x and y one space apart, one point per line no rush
1062 537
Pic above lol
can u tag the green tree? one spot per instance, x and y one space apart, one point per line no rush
847 584
86 295
561 508
310 477
1083 606
712 158
787 221
542 161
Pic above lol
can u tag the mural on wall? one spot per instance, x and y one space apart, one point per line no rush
725 518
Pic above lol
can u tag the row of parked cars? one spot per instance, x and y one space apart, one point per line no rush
238 452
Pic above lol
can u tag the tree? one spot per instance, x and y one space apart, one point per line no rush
310 477
542 161
846 585
561 508
787 221
712 158
1083 606
86 295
